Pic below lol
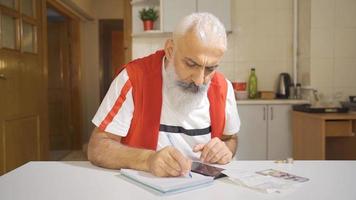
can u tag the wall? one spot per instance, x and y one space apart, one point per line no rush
262 36
103 9
329 53
85 5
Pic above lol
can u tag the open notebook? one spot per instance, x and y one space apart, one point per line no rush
168 184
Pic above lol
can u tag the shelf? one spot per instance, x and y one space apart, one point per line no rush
152 33
142 2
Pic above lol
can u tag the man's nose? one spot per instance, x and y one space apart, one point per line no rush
198 77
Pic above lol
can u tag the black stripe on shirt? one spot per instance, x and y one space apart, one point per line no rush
179 129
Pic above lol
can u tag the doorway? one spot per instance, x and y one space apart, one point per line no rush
63 102
112 51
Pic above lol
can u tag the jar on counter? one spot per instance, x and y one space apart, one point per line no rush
298 91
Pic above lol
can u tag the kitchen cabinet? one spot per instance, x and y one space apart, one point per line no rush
265 132
172 11
252 137
220 9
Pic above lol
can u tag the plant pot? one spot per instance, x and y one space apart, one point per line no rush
147 25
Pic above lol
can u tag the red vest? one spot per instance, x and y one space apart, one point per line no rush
145 75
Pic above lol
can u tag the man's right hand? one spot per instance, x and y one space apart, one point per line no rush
169 161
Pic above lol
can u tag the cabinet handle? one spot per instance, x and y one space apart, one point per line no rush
271 113
264 113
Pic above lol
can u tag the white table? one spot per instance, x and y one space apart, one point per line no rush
81 180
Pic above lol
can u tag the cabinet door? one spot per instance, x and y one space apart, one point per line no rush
279 132
220 9
252 138
174 10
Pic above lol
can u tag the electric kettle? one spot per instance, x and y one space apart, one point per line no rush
284 82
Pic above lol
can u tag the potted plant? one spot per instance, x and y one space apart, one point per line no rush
148 16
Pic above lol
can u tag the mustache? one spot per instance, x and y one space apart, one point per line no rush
192 87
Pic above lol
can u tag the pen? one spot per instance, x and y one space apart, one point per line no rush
170 141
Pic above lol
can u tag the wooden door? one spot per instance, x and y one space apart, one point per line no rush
127 30
59 87
63 81
253 133
111 51
23 103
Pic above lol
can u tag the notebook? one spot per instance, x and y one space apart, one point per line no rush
168 185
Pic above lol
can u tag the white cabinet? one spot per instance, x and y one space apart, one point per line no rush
265 132
279 132
220 9
252 138
172 11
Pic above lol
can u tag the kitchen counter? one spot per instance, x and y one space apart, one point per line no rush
329 180
273 101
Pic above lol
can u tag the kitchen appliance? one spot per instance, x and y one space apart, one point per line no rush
284 82
312 109
352 99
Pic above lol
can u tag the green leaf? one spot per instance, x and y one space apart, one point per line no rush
148 14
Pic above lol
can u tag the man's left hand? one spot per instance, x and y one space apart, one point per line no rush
215 151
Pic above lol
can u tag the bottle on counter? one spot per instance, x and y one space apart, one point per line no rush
252 85
298 91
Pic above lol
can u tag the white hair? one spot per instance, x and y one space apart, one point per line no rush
205 26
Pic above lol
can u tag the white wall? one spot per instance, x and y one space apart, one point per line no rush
103 9
333 46
262 36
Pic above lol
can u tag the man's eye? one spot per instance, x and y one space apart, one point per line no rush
189 64
210 69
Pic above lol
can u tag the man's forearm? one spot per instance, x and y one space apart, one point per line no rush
231 143
106 152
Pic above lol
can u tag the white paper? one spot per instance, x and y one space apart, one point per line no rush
258 182
167 184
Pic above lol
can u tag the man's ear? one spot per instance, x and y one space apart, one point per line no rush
168 49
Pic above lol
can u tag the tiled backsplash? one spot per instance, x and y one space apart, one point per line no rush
262 36
329 53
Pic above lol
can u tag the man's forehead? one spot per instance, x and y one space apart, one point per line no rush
204 56
192 47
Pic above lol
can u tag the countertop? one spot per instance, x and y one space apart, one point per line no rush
329 180
273 101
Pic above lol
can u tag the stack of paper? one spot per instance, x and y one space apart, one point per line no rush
265 181
168 184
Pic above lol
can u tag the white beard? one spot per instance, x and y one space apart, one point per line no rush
182 97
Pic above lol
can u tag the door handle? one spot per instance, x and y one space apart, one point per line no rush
271 113
3 77
264 113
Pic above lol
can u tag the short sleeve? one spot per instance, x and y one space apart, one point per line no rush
232 124
116 110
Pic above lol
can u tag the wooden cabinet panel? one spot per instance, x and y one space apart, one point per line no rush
21 138
2 152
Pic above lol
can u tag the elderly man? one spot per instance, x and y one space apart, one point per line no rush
169 108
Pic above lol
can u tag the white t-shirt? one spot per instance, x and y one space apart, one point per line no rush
183 131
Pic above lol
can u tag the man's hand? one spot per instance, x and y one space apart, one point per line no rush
169 162
215 151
